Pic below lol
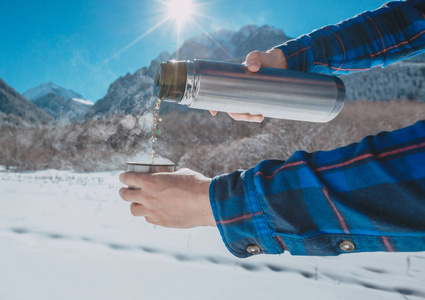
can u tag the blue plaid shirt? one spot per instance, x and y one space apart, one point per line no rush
368 196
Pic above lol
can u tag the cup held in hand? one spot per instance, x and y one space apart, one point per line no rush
148 168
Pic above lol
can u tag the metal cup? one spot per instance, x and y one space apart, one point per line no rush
148 168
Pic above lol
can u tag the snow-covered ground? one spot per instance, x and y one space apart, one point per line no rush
67 235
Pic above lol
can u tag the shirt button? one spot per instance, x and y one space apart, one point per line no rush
253 249
347 246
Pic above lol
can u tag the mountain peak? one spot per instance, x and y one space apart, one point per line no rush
49 87
16 110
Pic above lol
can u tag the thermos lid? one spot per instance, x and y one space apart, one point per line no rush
170 81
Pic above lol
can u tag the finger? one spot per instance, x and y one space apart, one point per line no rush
213 112
151 221
131 195
135 180
247 117
256 118
253 61
138 210
256 60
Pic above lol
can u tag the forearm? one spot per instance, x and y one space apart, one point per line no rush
378 38
371 194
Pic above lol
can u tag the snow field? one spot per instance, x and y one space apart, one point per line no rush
66 235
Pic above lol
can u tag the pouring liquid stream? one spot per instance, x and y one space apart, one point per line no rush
154 128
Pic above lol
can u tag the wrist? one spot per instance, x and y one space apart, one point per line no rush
279 57
207 215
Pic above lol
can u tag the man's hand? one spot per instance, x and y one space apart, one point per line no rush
177 200
274 58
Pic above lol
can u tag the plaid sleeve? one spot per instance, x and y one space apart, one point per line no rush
368 196
378 38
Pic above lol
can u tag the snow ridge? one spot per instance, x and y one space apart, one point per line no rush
50 88
83 101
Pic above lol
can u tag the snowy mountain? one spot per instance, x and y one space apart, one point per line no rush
129 94
133 93
50 88
18 111
60 103
63 109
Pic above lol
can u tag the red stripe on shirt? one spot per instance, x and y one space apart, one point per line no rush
240 218
299 51
342 46
341 220
349 162
372 55
399 44
387 244
402 150
340 69
346 163
365 156
377 30
296 163
281 243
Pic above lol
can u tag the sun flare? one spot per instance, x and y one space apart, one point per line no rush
179 13
180 10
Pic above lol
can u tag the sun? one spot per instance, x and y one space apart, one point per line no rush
180 11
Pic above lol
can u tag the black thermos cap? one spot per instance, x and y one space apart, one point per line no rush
170 81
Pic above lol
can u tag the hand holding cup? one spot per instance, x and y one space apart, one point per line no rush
169 199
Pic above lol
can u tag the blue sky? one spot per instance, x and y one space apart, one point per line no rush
79 44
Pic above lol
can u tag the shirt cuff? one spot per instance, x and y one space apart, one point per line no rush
298 53
239 217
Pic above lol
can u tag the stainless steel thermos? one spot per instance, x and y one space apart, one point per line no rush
229 87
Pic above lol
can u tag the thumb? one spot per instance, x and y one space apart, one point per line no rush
253 61
257 59
274 58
